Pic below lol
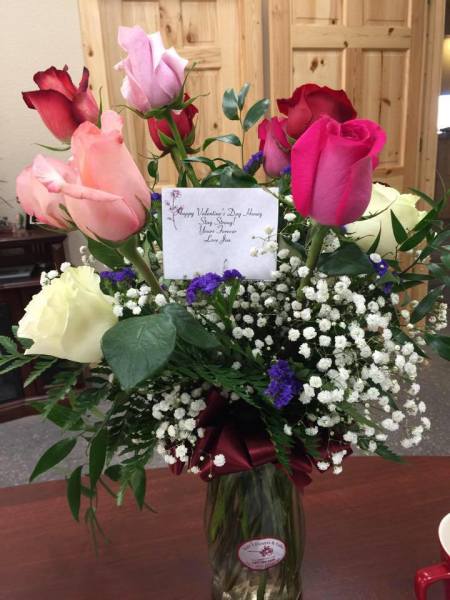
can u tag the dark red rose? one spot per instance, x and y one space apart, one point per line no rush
60 104
309 102
184 120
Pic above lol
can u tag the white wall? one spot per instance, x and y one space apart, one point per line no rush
34 35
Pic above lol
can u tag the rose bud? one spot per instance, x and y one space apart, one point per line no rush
60 104
154 75
309 102
332 166
104 192
274 145
184 121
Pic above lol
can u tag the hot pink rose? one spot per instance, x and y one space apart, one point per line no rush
274 145
184 120
103 189
38 202
309 102
61 105
154 76
332 165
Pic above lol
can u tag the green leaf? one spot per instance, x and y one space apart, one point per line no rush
138 483
440 344
230 105
74 492
166 140
398 229
189 329
9 345
230 138
105 254
243 95
255 113
414 240
374 245
41 365
201 159
235 178
97 456
426 304
349 259
54 455
137 348
152 168
387 453
114 472
61 415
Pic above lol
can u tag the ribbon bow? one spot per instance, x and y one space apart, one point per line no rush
244 443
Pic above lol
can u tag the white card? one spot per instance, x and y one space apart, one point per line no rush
214 229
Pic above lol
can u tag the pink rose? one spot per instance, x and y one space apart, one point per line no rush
37 201
154 76
184 121
60 104
309 102
103 190
274 145
332 165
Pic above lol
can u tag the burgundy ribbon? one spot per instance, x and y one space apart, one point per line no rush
244 444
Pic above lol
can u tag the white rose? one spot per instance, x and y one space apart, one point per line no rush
385 199
68 317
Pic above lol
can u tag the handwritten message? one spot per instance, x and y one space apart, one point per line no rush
214 229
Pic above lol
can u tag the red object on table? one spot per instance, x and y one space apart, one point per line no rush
368 531
439 572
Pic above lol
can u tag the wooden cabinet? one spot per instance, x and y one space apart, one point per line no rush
42 251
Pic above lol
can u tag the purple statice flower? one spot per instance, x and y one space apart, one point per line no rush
117 276
283 385
231 274
207 284
387 287
381 267
286 170
155 197
253 163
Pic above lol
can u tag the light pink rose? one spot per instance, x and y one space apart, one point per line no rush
154 76
103 190
38 202
332 165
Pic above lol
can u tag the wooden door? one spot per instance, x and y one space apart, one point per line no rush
224 38
384 53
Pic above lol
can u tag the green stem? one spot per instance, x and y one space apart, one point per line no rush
130 252
261 593
181 149
313 256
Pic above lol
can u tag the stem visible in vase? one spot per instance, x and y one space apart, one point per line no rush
262 586
181 149
313 257
130 252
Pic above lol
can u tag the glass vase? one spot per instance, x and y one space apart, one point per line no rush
255 530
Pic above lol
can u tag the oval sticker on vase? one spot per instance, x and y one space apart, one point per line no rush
262 553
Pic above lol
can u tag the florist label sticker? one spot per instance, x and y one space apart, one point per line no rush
262 553
214 229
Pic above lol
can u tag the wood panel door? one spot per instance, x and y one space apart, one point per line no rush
384 53
224 37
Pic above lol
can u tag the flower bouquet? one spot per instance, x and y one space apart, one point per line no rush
250 383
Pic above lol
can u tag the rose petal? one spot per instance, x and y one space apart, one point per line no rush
55 110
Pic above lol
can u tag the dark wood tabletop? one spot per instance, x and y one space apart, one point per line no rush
368 531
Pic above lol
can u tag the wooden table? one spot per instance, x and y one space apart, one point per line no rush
368 531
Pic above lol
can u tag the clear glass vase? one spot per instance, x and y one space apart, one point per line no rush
255 530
